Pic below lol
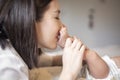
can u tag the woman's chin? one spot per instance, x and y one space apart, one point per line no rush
52 47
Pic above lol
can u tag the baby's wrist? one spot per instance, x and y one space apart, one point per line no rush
88 54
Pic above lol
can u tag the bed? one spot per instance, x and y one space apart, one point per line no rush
52 73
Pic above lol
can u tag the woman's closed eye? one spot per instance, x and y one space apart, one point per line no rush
57 18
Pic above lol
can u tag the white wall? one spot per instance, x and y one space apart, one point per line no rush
106 31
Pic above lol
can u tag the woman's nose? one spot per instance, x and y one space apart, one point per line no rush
62 25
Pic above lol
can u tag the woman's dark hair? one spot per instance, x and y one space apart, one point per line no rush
41 6
17 23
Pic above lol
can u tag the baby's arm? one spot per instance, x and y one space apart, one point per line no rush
116 59
96 65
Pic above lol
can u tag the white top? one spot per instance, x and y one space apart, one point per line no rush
114 73
12 67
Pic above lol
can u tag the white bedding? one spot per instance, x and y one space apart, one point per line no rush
113 50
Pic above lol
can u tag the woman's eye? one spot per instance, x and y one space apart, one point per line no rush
57 18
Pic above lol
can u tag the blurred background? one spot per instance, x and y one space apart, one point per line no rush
95 22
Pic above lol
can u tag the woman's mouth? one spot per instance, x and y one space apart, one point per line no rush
58 36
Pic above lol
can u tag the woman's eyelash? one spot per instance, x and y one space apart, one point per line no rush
57 18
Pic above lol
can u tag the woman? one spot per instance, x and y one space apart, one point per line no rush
24 30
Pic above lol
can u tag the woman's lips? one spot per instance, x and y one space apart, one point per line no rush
58 37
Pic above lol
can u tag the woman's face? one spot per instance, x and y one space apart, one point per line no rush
48 28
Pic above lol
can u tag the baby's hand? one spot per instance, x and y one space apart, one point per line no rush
73 56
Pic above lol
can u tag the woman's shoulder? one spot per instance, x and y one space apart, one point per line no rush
12 65
10 52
